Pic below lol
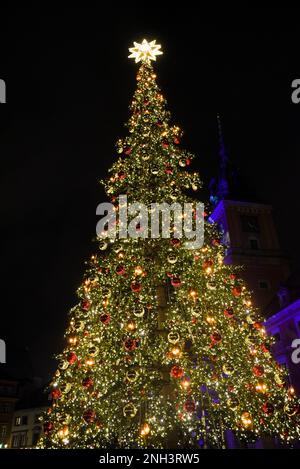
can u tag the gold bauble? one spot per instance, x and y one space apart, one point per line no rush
173 337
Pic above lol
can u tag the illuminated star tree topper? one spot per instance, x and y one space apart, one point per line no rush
145 51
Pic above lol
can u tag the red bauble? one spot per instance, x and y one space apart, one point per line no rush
264 348
176 141
176 282
207 264
85 305
89 415
130 344
187 161
165 144
136 287
176 371
236 291
121 175
105 318
120 270
189 406
257 325
72 358
268 408
48 427
127 150
216 337
175 242
215 242
87 382
56 393
258 370
232 276
229 312
169 169
159 123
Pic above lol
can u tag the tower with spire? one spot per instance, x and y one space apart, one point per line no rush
248 232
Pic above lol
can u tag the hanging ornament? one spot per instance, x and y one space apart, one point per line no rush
228 369
103 245
129 410
216 338
130 344
89 415
169 169
291 408
176 282
189 406
63 432
85 305
87 382
56 394
233 403
63 365
268 408
176 140
120 270
132 375
175 242
176 372
65 387
228 312
72 358
165 143
173 337
93 351
48 427
136 287
155 170
212 285
172 258
258 370
127 150
139 312
78 325
105 318
236 291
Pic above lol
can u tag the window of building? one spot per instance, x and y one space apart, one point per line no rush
24 420
264 284
15 441
5 408
17 421
253 242
250 224
19 439
3 431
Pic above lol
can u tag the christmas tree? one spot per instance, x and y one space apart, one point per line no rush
164 348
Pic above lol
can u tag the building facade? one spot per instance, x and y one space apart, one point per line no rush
26 427
8 399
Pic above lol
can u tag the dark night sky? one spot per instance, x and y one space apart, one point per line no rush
69 84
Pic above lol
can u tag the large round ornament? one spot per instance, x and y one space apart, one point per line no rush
132 375
63 365
246 420
291 408
93 351
103 245
120 270
216 337
65 387
72 358
233 403
258 370
85 305
89 415
228 369
228 312
139 311
236 291
212 285
105 318
48 427
56 394
136 287
172 258
189 406
78 325
176 371
268 408
87 382
176 282
130 344
129 410
173 337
